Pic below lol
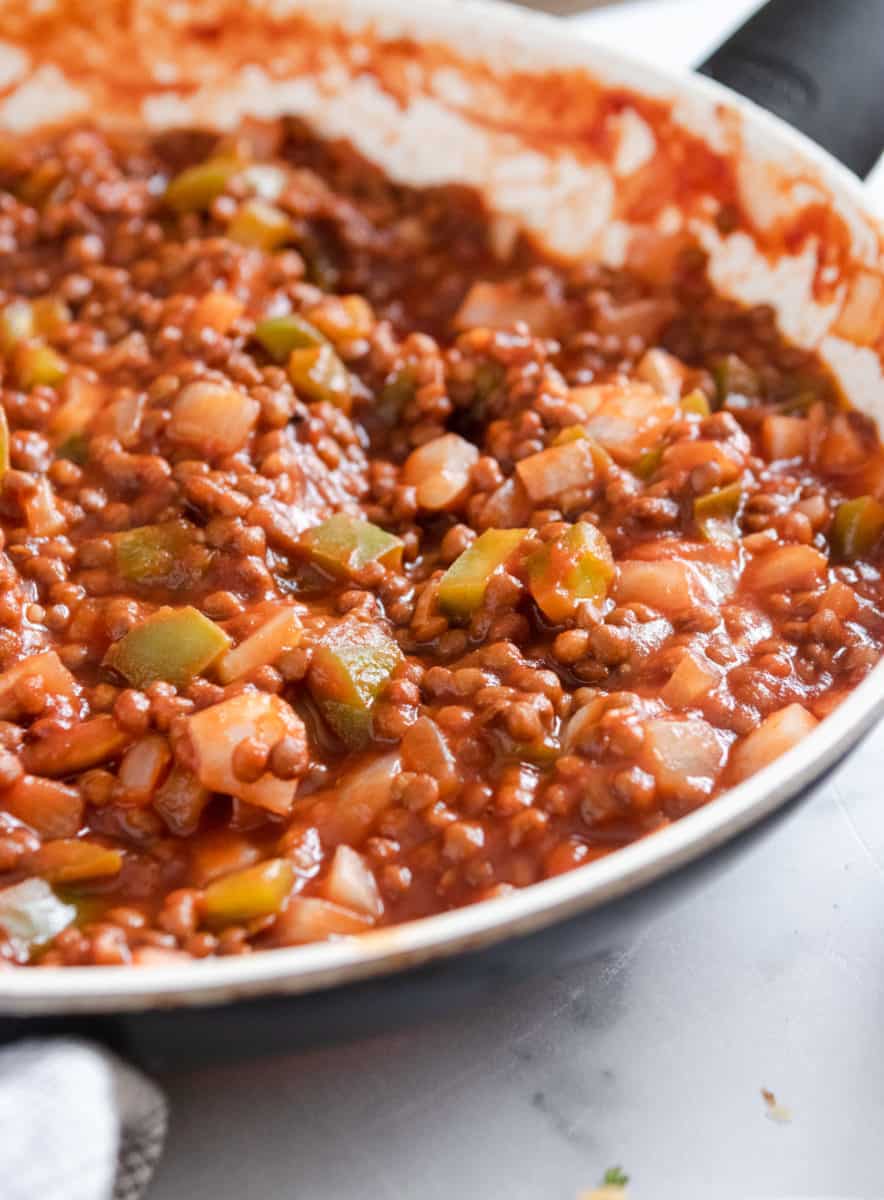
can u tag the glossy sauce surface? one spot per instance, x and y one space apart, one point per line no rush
359 564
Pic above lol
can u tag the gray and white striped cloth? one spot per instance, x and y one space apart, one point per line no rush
76 1123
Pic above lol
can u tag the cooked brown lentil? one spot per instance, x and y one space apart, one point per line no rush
352 572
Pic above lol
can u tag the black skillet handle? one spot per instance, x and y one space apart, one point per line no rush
818 64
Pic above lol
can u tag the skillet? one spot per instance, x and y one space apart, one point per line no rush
784 59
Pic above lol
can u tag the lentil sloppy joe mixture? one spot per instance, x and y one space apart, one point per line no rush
358 563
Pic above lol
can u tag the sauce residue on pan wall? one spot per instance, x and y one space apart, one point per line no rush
125 57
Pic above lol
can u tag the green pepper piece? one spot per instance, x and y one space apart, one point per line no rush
733 377
174 644
34 364
542 753
281 335
258 891
32 914
319 374
343 545
462 587
488 378
798 402
321 267
573 433
805 388
649 463
350 667
73 860
716 512
695 402
398 390
261 225
578 565
16 324
74 448
195 188
88 906
151 553
857 526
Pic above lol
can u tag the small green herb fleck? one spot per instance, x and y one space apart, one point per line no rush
614 1177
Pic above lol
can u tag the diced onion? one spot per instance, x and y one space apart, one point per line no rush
351 883
787 568
503 305
626 417
683 756
47 668
783 437
669 586
282 632
560 469
310 919
215 732
215 417
774 736
693 678
663 372
439 471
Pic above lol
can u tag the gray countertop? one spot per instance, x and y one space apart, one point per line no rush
763 968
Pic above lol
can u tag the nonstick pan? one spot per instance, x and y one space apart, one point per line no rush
511 103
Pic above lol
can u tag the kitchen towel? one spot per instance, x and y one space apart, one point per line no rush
76 1123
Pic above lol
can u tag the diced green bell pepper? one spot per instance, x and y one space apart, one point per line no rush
73 860
32 914
321 267
805 389
649 463
733 377
258 891
573 433
343 545
195 188
281 335
857 527
798 403
151 553
259 224
716 512
462 587
398 390
577 566
695 402
75 449
174 645
318 374
488 378
34 364
350 667
542 753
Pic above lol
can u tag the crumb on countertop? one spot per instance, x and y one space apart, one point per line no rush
774 1110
